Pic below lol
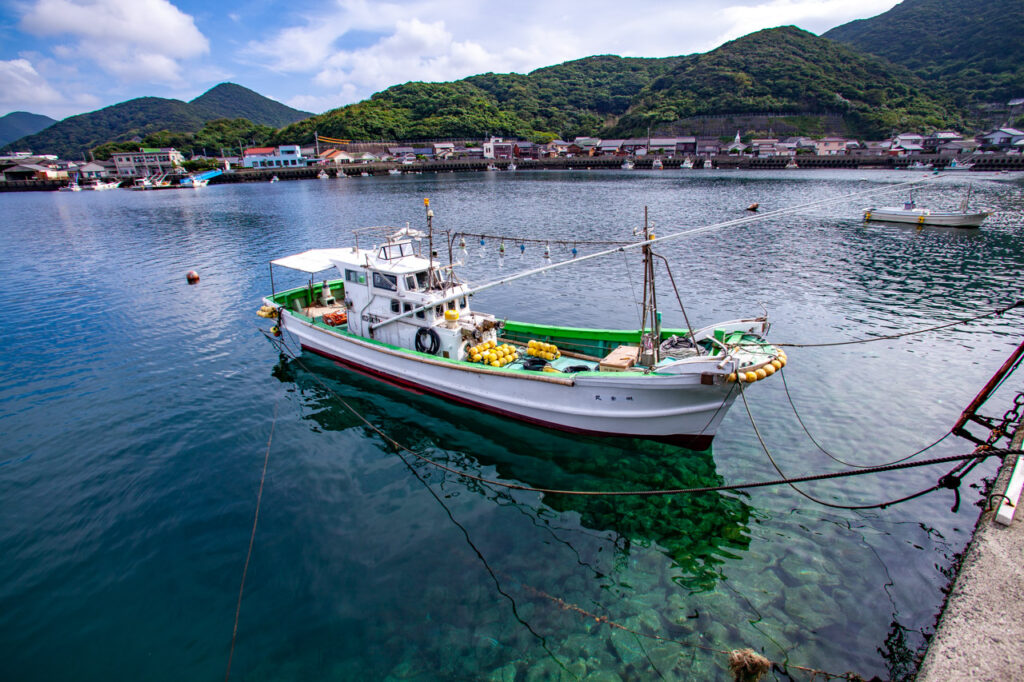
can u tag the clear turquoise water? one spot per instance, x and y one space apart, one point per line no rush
135 412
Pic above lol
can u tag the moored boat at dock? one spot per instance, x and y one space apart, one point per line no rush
398 316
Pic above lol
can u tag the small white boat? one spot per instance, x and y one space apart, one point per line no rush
792 164
628 165
322 175
657 164
491 167
909 213
275 179
956 165
917 165
394 171
70 187
511 166
101 186
687 163
399 316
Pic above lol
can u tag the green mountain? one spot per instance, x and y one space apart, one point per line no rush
18 124
782 70
229 100
787 69
76 135
971 48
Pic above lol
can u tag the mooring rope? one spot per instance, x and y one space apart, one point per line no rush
888 337
252 538
657 492
605 620
796 413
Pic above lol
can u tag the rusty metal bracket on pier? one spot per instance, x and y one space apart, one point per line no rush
997 428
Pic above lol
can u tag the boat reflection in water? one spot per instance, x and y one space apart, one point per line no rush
695 531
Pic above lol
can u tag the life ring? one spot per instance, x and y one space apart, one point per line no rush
422 336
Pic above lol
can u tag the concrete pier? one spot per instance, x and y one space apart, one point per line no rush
980 635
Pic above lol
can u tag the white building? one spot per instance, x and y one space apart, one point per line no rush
147 161
285 156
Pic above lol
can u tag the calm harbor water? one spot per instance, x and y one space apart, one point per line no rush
136 411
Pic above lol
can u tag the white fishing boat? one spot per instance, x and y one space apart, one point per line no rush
957 166
275 179
687 163
628 165
792 164
909 213
70 187
511 166
394 171
101 186
491 167
322 175
395 314
657 164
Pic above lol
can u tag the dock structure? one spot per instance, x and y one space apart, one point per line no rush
980 633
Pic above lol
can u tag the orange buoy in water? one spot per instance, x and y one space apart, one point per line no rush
753 207
192 277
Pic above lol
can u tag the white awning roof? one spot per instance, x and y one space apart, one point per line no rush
312 261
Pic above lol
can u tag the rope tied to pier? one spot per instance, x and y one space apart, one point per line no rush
252 538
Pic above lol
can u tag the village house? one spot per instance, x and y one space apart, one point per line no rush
830 146
708 146
1003 139
686 146
663 146
764 147
497 148
147 161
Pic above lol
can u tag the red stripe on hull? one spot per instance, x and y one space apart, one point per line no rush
692 442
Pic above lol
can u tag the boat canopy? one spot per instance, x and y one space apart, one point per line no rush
312 261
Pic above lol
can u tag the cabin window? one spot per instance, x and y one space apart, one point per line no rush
391 251
439 311
451 305
406 307
395 306
382 281
410 282
421 280
355 277
421 314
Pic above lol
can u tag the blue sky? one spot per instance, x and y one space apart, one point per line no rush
64 57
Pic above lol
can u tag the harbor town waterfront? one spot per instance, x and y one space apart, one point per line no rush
138 410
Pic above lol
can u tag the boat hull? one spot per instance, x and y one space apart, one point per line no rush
921 218
676 408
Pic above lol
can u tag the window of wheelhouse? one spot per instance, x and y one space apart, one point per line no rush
393 251
410 282
421 280
355 277
383 281
396 306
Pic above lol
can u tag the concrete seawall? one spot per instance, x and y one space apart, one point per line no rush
980 634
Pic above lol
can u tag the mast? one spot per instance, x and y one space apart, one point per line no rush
430 243
649 341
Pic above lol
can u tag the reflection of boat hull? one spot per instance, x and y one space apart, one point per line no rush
923 216
676 408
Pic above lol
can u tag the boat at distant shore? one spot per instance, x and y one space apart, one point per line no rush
909 213
628 165
70 187
100 186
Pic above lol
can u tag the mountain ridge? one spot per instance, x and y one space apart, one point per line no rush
18 124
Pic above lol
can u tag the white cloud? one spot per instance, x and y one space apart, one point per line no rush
20 83
437 40
131 39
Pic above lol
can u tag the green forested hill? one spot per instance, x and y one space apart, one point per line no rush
785 70
972 48
18 124
790 70
574 98
229 100
76 135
